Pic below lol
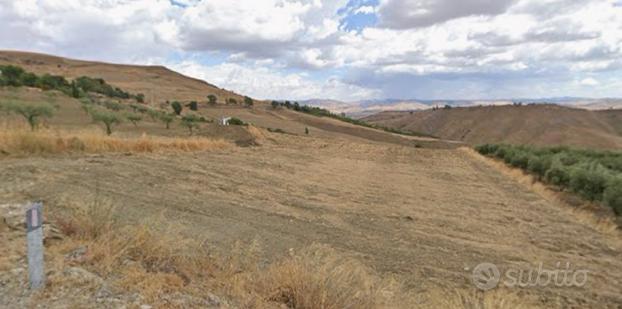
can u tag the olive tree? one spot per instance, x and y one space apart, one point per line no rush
32 112
107 118
191 122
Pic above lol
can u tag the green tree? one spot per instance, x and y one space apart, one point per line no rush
29 79
177 107
248 101
275 104
12 75
134 118
75 91
212 99
32 112
167 119
193 105
106 117
306 130
190 122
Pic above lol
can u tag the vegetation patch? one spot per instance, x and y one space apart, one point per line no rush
11 75
593 174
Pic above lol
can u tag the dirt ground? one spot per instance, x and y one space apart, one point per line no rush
428 216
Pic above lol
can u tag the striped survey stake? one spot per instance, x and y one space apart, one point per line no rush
34 235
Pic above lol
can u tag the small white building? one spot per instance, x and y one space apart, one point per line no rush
224 121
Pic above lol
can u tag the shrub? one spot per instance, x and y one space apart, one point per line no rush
539 164
11 75
177 108
140 98
520 159
32 112
236 122
558 175
613 195
275 104
211 99
589 180
248 101
193 105
115 106
133 118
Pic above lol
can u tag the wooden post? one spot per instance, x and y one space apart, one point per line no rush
34 235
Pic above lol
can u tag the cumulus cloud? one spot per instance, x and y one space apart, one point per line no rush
402 14
266 83
439 44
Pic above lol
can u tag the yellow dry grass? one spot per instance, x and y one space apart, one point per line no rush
156 263
22 141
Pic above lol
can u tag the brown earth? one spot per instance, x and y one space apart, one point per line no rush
426 215
528 124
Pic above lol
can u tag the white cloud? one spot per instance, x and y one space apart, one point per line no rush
479 42
265 83
589 82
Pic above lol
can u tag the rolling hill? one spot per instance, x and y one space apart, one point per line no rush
545 124
158 83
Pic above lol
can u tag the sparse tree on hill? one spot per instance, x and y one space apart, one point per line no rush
212 99
167 119
32 112
190 122
177 108
134 118
193 105
248 101
275 104
107 118
306 131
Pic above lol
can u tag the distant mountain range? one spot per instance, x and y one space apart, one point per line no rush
368 107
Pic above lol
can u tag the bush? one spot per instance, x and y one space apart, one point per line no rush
133 118
177 108
594 175
539 164
589 180
613 195
236 122
248 101
193 105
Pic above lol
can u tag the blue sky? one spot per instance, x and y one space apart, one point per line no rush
343 49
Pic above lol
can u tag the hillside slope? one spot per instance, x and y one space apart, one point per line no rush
158 83
531 124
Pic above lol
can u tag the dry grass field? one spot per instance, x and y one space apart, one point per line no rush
541 125
342 217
